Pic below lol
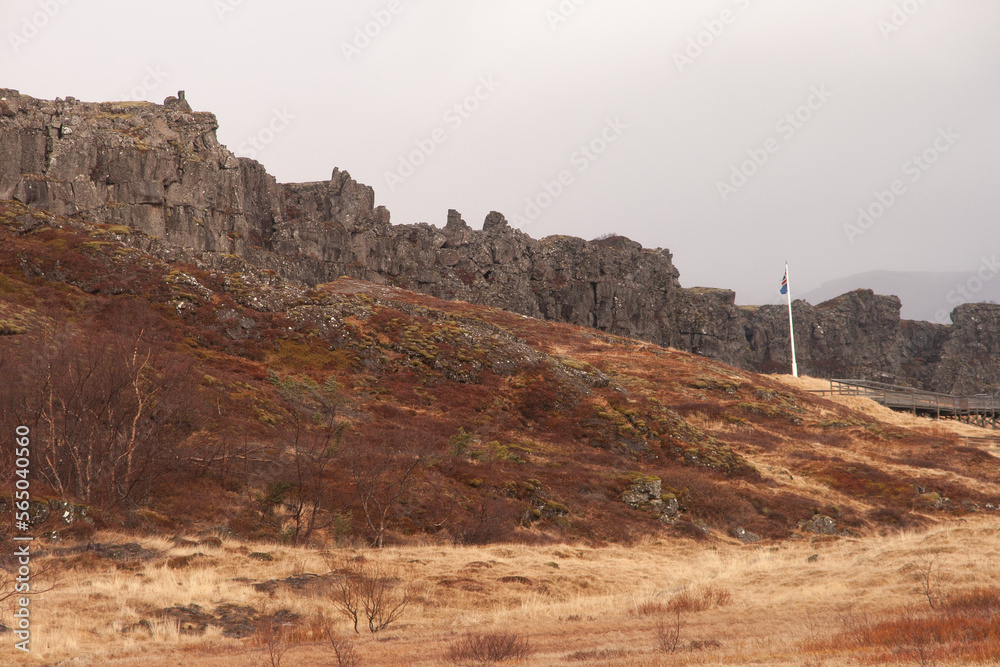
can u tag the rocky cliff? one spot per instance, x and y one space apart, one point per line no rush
161 170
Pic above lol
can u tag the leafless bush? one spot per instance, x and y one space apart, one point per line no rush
489 648
274 642
343 650
109 406
929 587
668 633
369 590
384 474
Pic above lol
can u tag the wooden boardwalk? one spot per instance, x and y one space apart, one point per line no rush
982 410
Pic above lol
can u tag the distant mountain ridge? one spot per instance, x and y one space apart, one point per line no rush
926 296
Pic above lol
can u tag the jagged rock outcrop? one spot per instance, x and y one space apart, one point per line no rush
827 337
161 170
971 353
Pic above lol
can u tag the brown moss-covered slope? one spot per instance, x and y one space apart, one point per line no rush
496 426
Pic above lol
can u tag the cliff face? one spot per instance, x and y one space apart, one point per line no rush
856 335
161 170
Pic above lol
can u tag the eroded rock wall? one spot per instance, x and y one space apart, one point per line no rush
160 169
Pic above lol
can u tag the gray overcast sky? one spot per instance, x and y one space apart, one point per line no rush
669 97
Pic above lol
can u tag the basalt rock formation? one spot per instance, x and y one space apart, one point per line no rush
160 169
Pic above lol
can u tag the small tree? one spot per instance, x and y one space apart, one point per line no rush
383 475
343 650
312 442
108 405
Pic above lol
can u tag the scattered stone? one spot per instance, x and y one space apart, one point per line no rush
461 584
191 620
515 579
691 529
933 500
135 627
819 524
645 491
812 559
298 582
745 536
262 556
236 621
182 562
268 587
131 552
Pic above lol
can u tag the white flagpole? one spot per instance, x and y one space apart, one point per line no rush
791 324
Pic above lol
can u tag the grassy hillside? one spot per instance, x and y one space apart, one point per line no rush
214 452
356 412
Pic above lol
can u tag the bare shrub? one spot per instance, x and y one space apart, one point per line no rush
668 633
274 642
384 473
929 587
311 441
489 648
109 406
343 650
369 591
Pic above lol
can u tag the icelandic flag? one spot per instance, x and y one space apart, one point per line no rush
784 283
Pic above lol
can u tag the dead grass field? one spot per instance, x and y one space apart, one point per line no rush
793 603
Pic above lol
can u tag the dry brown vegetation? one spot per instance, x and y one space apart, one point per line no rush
361 413
486 453
825 601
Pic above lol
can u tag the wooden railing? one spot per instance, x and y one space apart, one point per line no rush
983 410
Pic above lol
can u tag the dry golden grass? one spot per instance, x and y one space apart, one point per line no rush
771 604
